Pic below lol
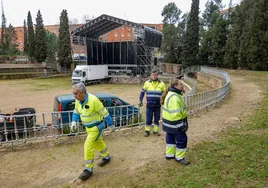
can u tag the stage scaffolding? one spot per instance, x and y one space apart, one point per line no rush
133 57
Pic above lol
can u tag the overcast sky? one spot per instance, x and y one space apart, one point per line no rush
140 11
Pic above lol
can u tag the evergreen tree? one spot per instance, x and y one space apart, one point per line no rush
52 42
247 13
191 39
3 32
238 39
171 42
219 37
258 37
233 43
209 18
40 39
25 34
171 14
65 56
181 34
11 41
31 37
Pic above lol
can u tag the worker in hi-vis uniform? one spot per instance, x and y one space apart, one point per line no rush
92 113
153 89
174 122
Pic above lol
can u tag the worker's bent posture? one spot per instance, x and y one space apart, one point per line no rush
92 113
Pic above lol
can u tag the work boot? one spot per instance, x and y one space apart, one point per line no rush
170 158
146 133
104 161
183 162
156 133
85 175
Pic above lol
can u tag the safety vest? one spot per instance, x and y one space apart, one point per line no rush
153 91
91 111
174 116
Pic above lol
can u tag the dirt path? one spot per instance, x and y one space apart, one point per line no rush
47 166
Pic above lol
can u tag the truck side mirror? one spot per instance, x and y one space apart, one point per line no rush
84 74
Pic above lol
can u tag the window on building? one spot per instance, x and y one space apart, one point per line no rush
115 35
122 35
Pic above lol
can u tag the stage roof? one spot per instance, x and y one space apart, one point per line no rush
104 24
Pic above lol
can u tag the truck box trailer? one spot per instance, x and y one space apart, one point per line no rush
89 74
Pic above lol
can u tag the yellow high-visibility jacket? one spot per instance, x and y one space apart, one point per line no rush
174 116
153 91
91 111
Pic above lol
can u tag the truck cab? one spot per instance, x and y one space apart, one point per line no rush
79 75
89 74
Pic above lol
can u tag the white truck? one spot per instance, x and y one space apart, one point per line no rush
89 74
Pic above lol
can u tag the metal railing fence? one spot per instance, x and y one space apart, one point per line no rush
195 102
14 128
25 127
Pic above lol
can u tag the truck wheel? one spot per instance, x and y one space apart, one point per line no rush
20 120
85 83
31 110
21 112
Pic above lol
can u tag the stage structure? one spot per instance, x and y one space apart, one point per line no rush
133 57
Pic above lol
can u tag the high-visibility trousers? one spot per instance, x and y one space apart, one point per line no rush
176 145
152 112
93 141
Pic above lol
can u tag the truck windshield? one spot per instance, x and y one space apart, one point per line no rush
77 74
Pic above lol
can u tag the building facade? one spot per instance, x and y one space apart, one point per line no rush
122 33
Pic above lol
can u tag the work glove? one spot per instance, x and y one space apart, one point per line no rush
73 126
140 104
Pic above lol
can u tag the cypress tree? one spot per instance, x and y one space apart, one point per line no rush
233 42
3 32
238 39
65 55
191 40
258 39
52 42
40 39
246 19
219 37
11 38
25 34
209 18
31 37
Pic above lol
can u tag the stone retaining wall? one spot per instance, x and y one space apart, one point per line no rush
209 80
134 80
